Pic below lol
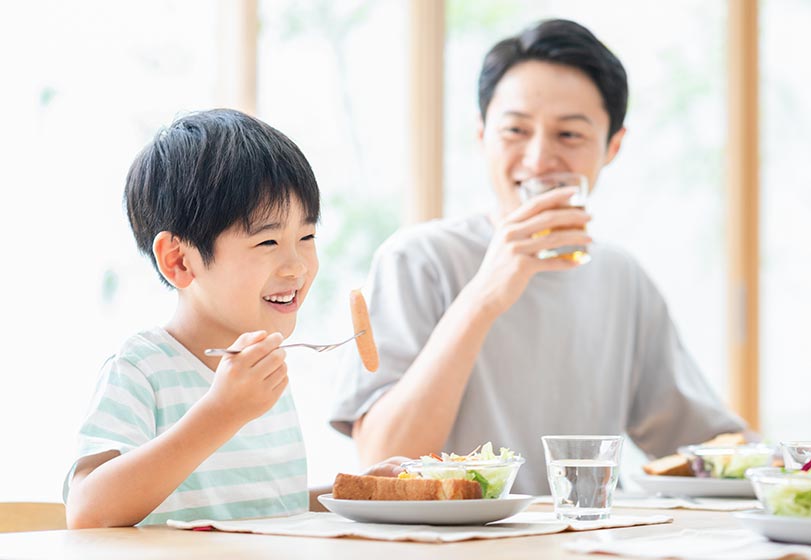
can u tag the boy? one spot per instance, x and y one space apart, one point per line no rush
225 206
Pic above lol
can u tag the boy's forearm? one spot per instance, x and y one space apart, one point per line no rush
124 490
416 416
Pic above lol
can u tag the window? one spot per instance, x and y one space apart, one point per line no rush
96 81
786 205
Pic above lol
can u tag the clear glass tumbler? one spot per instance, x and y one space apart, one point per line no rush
583 473
538 185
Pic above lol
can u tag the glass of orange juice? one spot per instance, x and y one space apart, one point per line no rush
538 185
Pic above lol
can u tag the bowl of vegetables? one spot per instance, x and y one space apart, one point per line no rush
495 473
727 461
782 491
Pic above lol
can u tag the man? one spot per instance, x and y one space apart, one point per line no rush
481 340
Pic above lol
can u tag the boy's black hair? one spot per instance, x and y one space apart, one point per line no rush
211 170
564 42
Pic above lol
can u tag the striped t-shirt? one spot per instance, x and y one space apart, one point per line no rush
147 387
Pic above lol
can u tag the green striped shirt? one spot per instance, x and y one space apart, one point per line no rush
147 387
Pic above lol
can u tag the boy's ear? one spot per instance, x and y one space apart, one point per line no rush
170 254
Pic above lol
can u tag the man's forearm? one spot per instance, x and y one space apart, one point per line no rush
316 491
415 416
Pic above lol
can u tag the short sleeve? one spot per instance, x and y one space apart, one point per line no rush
673 403
121 415
405 304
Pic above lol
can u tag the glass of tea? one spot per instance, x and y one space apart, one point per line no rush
538 185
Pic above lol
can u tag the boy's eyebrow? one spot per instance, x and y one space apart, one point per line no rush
256 230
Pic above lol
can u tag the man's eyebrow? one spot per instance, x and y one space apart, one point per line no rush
576 117
571 117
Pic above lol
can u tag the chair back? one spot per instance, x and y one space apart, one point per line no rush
31 516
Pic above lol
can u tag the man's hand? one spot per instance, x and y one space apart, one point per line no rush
511 258
387 467
249 383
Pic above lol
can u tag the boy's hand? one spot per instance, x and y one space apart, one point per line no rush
248 384
387 467
511 258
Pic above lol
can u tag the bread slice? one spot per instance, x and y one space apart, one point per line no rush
670 465
353 487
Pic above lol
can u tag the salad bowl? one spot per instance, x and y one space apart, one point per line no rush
726 462
495 473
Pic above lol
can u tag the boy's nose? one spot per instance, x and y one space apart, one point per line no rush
293 267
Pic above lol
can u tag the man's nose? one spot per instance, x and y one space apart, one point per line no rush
541 156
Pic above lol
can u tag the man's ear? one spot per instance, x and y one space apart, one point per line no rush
614 145
171 256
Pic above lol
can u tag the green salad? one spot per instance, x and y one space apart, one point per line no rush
495 473
792 499
733 466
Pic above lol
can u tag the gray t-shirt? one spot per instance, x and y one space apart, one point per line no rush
587 351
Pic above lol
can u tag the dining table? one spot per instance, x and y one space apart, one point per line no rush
163 542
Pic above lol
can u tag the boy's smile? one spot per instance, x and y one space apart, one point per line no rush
257 281
285 302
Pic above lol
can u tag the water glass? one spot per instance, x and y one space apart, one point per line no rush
538 185
583 473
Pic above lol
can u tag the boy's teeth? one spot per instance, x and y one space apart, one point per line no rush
281 299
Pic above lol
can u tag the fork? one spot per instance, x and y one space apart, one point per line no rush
316 347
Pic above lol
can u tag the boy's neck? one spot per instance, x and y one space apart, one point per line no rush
196 334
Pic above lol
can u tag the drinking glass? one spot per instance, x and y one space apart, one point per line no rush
796 453
538 185
583 473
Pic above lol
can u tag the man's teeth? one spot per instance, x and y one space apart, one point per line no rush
287 298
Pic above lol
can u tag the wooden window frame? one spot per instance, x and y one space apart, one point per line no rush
743 209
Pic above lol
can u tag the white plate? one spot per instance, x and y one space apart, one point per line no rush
777 527
694 486
428 512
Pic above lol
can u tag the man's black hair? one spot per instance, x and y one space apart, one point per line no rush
211 170
559 41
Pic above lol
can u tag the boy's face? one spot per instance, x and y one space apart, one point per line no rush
544 118
258 279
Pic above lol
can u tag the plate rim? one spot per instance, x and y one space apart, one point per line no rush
507 498
669 478
428 512
763 515
698 487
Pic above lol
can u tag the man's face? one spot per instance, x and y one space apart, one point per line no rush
544 118
258 279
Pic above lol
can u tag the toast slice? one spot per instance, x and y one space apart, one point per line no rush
670 465
353 487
